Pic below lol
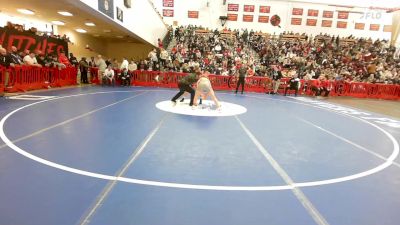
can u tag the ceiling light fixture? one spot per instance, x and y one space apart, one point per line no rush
90 24
65 13
80 30
26 11
107 31
119 36
56 22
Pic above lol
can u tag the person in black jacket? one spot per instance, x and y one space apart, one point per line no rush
5 59
294 84
276 79
242 72
185 84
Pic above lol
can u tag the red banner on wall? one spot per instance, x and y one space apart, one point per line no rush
232 17
312 12
326 23
263 19
387 28
168 3
343 15
248 18
233 7
311 22
359 26
296 21
341 24
248 8
168 12
193 14
265 9
27 40
327 14
297 11
374 27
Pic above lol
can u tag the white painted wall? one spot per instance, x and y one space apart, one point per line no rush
141 19
209 17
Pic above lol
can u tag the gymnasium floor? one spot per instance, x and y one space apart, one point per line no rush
104 156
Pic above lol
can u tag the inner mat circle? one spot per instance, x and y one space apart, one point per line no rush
207 108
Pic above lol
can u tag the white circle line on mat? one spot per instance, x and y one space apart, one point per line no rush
374 170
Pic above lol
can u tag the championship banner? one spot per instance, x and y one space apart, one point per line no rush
248 8
265 9
193 14
168 12
326 23
327 14
311 22
26 40
343 15
313 12
297 11
341 24
248 18
296 21
387 28
359 26
263 19
374 27
233 7
168 3
232 17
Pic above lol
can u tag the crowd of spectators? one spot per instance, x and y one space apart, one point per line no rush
321 57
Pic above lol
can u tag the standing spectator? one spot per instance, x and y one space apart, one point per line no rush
153 56
124 64
163 56
5 59
73 59
276 79
101 64
83 67
241 74
160 44
92 62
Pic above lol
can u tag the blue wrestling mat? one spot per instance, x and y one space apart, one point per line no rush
125 156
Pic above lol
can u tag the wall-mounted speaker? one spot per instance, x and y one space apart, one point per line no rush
127 3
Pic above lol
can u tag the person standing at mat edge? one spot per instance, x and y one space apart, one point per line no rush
241 74
185 84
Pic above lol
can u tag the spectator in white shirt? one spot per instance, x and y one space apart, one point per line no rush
30 60
132 66
109 76
124 64
101 64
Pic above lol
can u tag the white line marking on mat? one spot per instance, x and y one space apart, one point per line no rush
346 140
124 168
381 167
68 121
314 213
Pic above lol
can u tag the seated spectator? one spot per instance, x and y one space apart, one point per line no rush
108 76
30 60
62 58
125 78
15 57
132 66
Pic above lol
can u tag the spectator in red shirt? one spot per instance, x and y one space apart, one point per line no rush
63 59
160 44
